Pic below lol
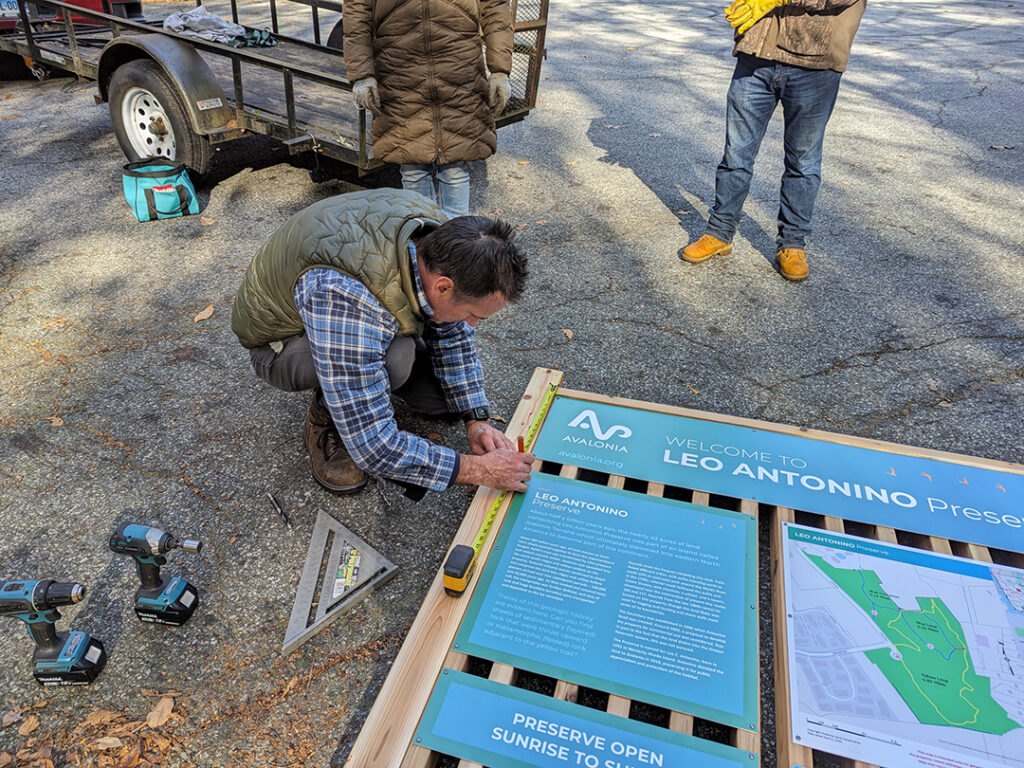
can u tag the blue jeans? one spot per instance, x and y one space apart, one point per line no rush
807 97
452 184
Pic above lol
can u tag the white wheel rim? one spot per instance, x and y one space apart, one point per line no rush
146 124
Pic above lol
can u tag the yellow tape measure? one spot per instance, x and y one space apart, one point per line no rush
461 561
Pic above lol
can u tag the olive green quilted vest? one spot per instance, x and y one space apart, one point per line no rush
364 235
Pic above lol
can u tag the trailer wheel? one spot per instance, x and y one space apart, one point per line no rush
149 118
337 37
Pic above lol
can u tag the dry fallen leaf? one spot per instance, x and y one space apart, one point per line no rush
206 221
11 717
55 421
570 162
108 742
542 222
933 385
568 333
206 314
100 716
160 712
28 726
524 162
9 117
692 388
5 759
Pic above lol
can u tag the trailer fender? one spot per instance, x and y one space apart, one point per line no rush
207 109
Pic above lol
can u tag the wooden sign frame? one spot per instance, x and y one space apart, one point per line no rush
386 740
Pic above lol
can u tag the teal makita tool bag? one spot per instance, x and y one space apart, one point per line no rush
156 189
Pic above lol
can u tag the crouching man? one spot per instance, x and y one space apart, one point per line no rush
372 295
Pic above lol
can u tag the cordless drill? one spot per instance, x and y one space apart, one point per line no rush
60 658
160 600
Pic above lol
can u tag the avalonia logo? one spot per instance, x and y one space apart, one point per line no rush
588 420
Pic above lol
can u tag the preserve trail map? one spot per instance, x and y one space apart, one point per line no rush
901 656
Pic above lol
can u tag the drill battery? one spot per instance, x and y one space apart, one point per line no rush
77 661
172 603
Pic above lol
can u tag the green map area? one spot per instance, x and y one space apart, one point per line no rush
931 667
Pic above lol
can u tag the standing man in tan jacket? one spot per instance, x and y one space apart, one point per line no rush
418 66
793 51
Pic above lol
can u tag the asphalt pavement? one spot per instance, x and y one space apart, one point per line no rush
116 404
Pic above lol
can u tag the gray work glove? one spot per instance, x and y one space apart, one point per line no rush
500 90
366 94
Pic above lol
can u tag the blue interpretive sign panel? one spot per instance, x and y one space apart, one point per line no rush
871 485
505 727
636 595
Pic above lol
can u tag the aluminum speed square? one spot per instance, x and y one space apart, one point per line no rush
341 569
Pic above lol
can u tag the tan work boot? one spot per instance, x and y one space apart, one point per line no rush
333 468
792 263
703 248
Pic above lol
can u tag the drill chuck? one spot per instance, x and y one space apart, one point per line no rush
64 593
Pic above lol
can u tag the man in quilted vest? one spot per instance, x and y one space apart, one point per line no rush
375 294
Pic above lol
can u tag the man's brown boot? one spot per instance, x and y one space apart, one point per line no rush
333 468
792 263
703 248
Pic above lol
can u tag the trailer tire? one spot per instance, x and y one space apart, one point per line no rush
149 117
337 37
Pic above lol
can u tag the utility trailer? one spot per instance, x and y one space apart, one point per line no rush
177 96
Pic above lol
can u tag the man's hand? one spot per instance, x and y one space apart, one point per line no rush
483 438
366 94
500 90
743 14
503 469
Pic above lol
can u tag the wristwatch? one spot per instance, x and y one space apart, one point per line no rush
476 414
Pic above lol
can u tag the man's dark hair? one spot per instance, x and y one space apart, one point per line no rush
479 255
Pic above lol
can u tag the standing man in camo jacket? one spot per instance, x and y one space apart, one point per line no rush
793 51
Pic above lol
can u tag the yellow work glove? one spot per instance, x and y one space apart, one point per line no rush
743 14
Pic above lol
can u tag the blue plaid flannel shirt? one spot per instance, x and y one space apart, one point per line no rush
349 333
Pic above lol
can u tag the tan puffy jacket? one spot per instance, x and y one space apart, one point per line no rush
428 60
